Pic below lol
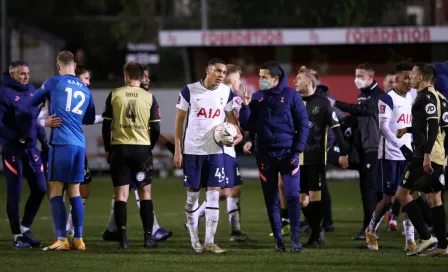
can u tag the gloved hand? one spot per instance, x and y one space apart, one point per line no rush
407 153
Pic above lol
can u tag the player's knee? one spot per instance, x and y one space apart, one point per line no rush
304 200
212 198
315 196
434 199
236 191
122 193
192 201
144 193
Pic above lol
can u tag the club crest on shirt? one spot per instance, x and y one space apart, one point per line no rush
315 110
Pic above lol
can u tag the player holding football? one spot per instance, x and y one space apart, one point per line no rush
202 159
425 171
313 160
394 113
72 101
233 181
159 234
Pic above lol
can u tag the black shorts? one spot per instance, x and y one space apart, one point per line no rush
131 165
311 177
87 176
416 179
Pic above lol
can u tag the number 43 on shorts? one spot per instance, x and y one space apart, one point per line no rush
220 174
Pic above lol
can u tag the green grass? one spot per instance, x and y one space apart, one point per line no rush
341 254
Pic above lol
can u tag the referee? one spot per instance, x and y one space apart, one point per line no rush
133 115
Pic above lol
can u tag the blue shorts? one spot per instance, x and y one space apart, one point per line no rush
66 163
204 171
389 175
233 177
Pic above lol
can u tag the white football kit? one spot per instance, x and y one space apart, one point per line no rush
394 113
236 106
205 110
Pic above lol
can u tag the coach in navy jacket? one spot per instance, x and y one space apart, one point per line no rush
278 116
441 83
18 135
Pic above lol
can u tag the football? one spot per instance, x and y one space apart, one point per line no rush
225 133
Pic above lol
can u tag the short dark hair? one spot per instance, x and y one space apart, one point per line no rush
366 66
390 73
82 70
273 67
427 71
65 58
134 70
146 68
13 65
216 61
403 66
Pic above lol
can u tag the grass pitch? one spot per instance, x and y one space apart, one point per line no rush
341 254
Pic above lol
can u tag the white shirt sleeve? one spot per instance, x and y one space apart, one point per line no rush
229 105
385 112
183 101
43 114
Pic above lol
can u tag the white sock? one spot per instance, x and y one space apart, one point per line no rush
191 211
16 236
112 227
201 210
234 213
211 216
155 226
137 198
408 230
24 229
69 227
375 222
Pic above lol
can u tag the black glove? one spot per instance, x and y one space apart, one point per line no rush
407 153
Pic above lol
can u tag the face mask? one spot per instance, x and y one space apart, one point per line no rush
360 83
264 84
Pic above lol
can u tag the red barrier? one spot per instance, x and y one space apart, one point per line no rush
341 87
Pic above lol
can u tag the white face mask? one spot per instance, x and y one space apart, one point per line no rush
360 83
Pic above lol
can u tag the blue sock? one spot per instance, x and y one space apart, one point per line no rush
294 217
59 215
77 216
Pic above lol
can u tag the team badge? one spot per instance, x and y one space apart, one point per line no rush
442 179
334 116
406 176
382 109
315 110
430 108
140 176
445 117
